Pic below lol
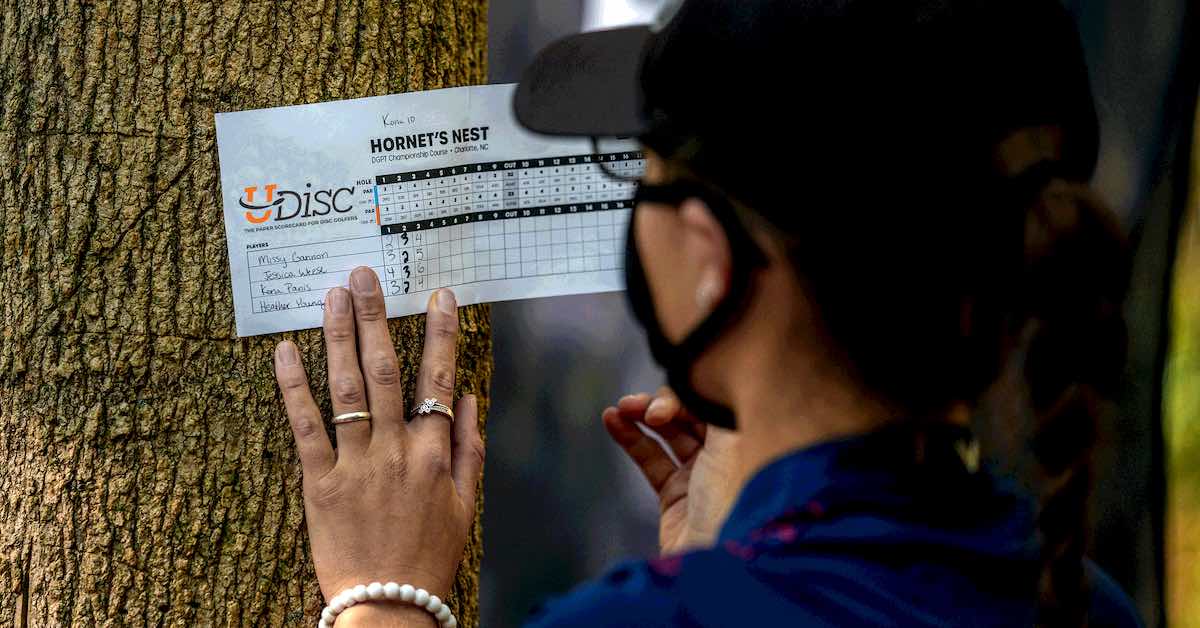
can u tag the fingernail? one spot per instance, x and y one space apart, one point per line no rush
634 398
363 281
339 301
445 301
286 353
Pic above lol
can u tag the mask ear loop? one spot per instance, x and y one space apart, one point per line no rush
677 360
746 257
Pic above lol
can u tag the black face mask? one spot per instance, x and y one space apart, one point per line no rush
678 359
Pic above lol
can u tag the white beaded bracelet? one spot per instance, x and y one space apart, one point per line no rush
390 591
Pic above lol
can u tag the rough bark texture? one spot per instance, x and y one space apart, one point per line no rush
147 475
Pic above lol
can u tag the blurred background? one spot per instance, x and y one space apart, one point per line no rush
562 502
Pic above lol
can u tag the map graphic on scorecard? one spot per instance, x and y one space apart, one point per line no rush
432 190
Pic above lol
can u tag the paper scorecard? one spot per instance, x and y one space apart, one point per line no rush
430 189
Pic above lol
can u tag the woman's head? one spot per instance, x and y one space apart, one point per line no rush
921 306
918 170
866 132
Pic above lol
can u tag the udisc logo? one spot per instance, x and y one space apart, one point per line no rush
286 204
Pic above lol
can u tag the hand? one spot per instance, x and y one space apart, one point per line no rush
695 496
397 499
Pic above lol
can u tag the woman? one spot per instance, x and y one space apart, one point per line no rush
862 229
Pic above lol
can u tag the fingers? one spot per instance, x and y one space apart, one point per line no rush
634 406
684 442
466 450
436 377
345 377
379 366
312 444
664 408
665 416
655 464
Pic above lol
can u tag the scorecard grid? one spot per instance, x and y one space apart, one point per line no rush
446 227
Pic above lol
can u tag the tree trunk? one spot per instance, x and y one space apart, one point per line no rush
148 474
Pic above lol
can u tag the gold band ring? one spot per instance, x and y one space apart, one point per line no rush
351 417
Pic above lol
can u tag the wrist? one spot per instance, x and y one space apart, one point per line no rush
389 605
385 614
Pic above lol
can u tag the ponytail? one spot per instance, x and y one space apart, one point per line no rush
1075 281
1006 307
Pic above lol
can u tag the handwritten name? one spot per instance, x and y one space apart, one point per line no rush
299 303
288 288
274 275
266 260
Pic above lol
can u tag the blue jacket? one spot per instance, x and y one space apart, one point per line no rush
849 533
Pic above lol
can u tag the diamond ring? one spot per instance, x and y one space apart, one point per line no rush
430 406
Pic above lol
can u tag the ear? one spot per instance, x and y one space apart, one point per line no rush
706 249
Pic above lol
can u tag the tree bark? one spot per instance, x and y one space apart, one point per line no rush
147 473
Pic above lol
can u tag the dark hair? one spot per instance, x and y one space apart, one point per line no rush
935 288
1076 276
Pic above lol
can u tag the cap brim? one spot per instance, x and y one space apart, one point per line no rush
586 84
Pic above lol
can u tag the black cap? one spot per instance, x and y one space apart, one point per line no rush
731 85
